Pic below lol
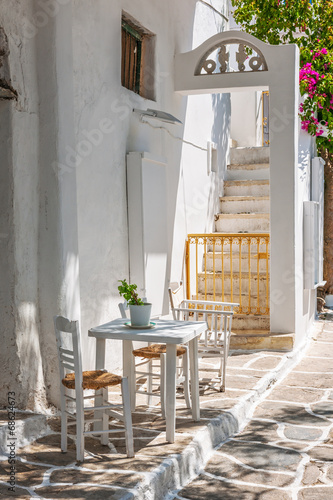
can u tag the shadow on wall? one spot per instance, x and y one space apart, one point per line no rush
8 358
221 105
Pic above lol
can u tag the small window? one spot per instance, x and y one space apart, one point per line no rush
138 58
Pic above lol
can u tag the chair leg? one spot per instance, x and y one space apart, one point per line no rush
105 419
163 383
150 383
186 383
64 419
79 426
127 418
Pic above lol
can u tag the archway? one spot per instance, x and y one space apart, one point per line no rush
273 68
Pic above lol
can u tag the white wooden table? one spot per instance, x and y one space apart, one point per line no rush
169 332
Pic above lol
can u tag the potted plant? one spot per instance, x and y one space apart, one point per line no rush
139 311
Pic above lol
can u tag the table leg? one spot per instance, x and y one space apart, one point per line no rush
128 370
100 365
194 369
170 406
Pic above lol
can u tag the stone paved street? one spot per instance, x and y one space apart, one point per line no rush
286 449
284 452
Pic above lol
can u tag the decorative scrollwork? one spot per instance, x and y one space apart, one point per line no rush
248 58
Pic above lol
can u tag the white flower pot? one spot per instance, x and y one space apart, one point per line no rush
140 315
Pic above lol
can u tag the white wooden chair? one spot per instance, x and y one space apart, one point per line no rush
69 352
153 357
215 341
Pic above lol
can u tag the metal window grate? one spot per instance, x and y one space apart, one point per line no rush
131 57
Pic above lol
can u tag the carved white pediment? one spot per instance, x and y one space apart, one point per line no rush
231 56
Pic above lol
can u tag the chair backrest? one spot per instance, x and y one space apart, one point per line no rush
176 296
124 309
69 347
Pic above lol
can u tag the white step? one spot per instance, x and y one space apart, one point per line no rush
234 223
241 156
246 188
244 280
235 262
244 204
249 171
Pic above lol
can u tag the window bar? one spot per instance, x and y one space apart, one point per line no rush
214 284
240 275
258 275
222 263
249 277
205 259
187 262
196 267
231 271
267 278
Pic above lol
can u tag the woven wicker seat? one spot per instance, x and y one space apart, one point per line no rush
155 350
97 379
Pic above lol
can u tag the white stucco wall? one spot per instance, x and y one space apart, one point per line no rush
63 170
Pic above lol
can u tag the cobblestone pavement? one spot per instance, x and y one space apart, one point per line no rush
286 449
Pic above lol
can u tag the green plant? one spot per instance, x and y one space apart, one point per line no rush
129 293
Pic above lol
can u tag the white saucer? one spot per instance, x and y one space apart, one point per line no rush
147 327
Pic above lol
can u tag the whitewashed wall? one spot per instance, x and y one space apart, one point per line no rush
63 171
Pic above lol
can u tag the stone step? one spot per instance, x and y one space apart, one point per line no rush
244 281
275 342
216 258
243 300
246 155
246 188
249 171
248 322
234 223
235 246
244 204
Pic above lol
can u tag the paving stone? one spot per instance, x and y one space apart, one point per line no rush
329 473
46 450
302 433
320 381
266 363
324 408
159 446
221 466
294 445
315 365
257 430
325 336
324 453
316 493
204 488
20 493
295 394
319 349
81 492
239 360
312 473
288 414
75 476
262 456
122 462
26 474
239 382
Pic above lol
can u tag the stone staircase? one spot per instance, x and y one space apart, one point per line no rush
244 208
